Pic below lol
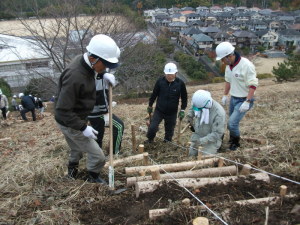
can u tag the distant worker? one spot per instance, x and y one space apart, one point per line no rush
40 105
207 117
3 104
76 99
241 83
167 91
99 117
52 99
28 105
14 103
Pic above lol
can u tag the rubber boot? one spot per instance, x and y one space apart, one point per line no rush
230 139
73 169
235 143
95 178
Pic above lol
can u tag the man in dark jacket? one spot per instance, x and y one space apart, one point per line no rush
76 99
99 117
167 90
28 104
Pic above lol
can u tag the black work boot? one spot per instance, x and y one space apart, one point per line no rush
95 178
235 143
73 169
230 139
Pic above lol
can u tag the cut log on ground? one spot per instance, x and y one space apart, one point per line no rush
264 201
208 172
157 213
172 167
130 159
150 186
255 140
267 147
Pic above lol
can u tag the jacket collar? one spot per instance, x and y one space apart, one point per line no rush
86 66
236 61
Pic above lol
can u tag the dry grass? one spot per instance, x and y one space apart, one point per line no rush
33 189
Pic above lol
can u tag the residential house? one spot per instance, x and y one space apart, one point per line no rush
223 36
267 38
266 13
228 9
21 60
210 31
188 9
192 17
242 16
245 39
203 41
254 9
286 20
276 26
196 24
173 10
202 9
255 25
178 17
256 16
224 16
177 26
289 37
295 26
242 9
237 24
188 33
215 9
162 20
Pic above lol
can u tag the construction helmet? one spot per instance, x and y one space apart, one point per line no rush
224 49
170 68
105 48
21 95
14 96
201 99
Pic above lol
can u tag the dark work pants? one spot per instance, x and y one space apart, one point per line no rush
24 111
3 112
169 122
118 129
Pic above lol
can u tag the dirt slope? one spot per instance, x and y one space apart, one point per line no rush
34 190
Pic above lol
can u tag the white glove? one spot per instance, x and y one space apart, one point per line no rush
224 99
106 119
113 104
90 132
110 78
244 107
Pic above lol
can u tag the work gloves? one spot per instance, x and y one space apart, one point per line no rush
181 114
109 79
244 107
224 100
149 109
106 119
90 132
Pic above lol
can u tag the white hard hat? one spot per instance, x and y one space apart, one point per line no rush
201 99
14 96
104 47
0 92
170 68
224 49
21 95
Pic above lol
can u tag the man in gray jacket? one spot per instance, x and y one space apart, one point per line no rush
76 99
208 120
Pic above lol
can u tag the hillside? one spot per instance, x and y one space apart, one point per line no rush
34 190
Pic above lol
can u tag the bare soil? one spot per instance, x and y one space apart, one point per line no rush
34 189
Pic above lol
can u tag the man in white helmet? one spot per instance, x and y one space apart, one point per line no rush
167 91
75 100
207 117
241 83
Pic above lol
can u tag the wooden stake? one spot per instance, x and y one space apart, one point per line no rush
133 139
141 148
155 173
245 170
221 163
188 148
199 157
127 160
183 130
200 221
111 173
186 202
283 190
146 159
142 173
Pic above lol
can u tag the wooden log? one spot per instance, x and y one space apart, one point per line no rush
267 147
255 140
142 173
186 202
145 159
263 201
184 129
200 221
141 148
133 138
221 163
157 213
172 167
150 186
130 159
208 172
5 139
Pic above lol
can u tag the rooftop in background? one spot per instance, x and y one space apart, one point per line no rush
19 49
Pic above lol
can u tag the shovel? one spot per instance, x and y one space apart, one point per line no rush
111 172
179 132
